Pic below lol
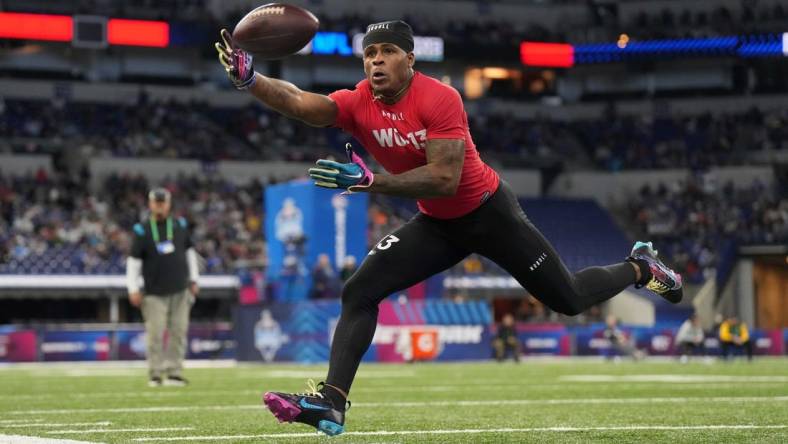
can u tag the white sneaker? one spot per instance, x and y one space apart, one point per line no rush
175 381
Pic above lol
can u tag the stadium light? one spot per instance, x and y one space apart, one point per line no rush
138 33
61 28
785 44
56 28
553 55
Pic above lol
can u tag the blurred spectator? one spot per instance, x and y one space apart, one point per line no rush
506 339
691 221
325 284
532 310
734 337
690 338
620 344
348 268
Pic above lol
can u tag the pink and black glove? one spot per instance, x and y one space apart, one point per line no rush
237 62
352 176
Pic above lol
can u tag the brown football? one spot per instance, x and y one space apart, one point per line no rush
275 30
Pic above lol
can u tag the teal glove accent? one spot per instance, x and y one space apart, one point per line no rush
331 174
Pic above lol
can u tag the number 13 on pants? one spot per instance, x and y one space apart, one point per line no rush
385 244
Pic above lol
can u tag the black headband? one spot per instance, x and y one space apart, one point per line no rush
395 32
159 195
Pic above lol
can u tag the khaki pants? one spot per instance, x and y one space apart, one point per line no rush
170 312
511 343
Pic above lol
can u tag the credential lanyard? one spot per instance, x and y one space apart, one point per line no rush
154 230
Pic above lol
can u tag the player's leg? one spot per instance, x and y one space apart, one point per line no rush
521 249
154 313
412 253
747 345
514 345
180 305
725 350
500 349
517 245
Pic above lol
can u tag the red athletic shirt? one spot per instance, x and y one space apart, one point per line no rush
396 136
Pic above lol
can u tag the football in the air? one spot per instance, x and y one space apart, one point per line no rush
275 30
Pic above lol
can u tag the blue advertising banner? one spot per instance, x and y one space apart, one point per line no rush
75 346
203 343
130 344
294 332
302 331
552 343
211 343
304 221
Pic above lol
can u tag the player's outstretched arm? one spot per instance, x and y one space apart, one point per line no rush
284 97
438 178
287 99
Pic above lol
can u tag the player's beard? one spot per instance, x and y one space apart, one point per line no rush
382 95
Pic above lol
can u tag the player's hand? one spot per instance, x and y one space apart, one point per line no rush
237 62
194 288
352 176
135 298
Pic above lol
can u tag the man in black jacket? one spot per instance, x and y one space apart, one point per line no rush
162 253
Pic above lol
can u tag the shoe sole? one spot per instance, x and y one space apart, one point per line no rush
282 409
174 384
674 296
330 428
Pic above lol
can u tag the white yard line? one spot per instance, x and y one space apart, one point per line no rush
669 400
171 392
469 431
17 439
135 429
44 425
57 367
681 379
137 409
19 421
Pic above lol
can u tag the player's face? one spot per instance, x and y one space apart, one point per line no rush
387 67
159 208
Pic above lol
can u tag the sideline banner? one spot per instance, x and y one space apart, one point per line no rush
18 346
417 330
303 221
75 346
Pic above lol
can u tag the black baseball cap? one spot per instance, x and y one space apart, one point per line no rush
395 32
159 195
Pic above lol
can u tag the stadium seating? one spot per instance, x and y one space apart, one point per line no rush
599 22
692 223
87 231
199 131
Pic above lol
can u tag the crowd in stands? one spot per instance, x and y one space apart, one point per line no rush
601 22
695 142
198 131
51 223
690 221
143 129
717 21
59 222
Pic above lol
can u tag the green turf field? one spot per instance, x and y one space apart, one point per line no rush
534 401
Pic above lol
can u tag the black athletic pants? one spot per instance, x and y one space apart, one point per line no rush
727 348
424 246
